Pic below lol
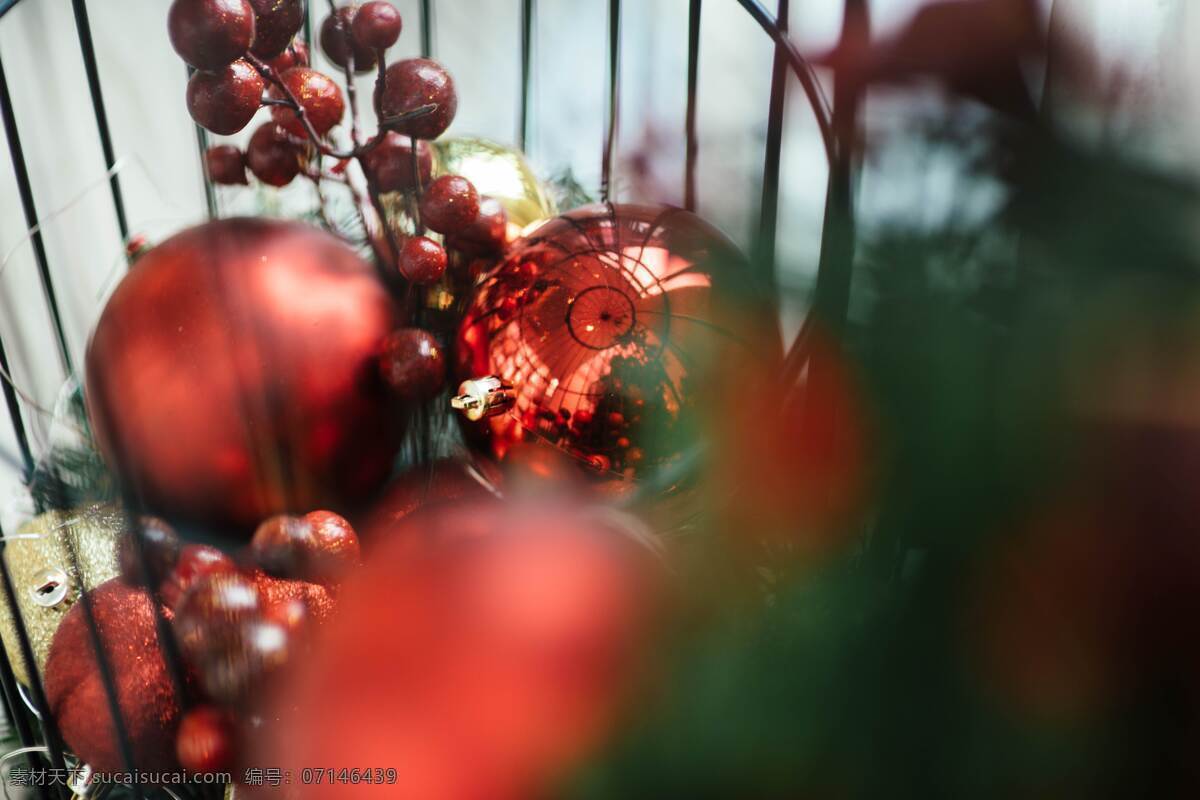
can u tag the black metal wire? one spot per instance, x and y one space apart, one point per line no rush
527 12
15 710
768 218
427 28
25 189
693 79
14 413
88 51
610 137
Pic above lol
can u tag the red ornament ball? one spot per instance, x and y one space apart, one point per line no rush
210 34
212 611
225 101
339 43
486 235
389 165
320 546
319 96
415 82
146 697
377 25
422 260
233 375
450 204
338 550
273 156
413 364
600 320
226 165
276 22
206 741
296 55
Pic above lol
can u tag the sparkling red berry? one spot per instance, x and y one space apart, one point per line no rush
319 96
377 25
415 82
413 364
422 260
225 101
273 156
339 44
226 165
276 22
205 740
337 547
209 34
196 561
296 55
450 204
487 234
152 547
389 165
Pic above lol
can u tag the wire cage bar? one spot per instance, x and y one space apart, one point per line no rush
836 124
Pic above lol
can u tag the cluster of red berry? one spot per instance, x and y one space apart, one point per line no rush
246 56
235 623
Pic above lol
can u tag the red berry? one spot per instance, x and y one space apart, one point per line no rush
450 204
317 93
294 56
422 260
413 364
226 165
337 545
196 561
389 165
272 155
209 34
275 23
415 82
377 25
226 100
210 614
281 545
159 552
339 44
487 235
205 741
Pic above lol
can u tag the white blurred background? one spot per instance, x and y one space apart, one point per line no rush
1147 51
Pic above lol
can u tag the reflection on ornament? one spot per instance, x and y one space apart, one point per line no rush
601 321
499 172
44 576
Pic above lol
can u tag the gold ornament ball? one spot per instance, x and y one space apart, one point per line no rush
500 172
44 576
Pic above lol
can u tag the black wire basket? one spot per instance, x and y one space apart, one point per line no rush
26 706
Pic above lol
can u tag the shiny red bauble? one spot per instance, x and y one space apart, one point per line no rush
339 44
450 204
206 741
226 100
602 321
486 235
150 710
421 260
377 25
275 23
415 82
319 96
232 375
226 165
209 34
389 165
273 156
413 364
320 546
337 549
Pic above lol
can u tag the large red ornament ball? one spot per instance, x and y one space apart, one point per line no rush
150 711
233 375
602 321
505 639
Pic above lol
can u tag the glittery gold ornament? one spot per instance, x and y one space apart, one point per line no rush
44 576
499 172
